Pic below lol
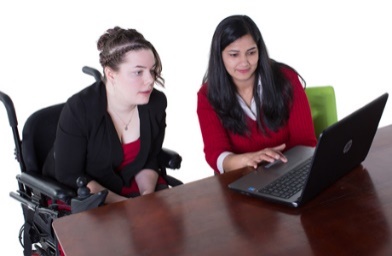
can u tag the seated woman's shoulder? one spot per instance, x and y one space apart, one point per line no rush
203 89
288 70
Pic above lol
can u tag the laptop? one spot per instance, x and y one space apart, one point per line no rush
340 148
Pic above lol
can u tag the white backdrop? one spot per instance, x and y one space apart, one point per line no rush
44 45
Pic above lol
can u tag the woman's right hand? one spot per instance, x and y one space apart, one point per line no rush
253 159
268 155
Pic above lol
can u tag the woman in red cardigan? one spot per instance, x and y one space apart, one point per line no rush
250 107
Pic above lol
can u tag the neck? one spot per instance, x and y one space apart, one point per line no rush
245 89
245 85
121 109
246 93
123 115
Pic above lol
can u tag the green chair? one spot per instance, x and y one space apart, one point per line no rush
323 107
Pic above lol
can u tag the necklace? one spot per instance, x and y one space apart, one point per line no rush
125 123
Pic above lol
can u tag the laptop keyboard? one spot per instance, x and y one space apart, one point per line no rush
290 183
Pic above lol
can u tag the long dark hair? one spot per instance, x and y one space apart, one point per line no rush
277 94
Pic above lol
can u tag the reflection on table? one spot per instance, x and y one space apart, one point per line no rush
352 217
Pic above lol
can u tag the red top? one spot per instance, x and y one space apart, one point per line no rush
299 129
131 150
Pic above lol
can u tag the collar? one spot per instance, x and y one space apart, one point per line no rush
251 111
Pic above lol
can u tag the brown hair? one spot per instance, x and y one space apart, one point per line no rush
116 42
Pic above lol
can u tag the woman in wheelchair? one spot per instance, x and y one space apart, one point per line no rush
112 131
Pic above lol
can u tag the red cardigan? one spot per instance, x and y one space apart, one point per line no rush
299 129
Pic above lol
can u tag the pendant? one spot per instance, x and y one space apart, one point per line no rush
126 127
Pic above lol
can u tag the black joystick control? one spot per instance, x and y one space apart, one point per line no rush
83 190
85 200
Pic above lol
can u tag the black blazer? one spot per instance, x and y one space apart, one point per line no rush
87 143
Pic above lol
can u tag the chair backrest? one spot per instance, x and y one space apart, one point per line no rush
38 136
323 106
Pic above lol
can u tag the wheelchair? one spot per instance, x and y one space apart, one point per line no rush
42 198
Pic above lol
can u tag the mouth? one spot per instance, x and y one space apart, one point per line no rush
146 92
243 71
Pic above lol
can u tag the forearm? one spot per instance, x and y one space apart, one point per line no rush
235 161
112 197
146 180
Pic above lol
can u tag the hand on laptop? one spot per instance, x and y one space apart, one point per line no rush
268 155
253 159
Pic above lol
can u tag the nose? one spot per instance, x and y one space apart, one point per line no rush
244 60
149 79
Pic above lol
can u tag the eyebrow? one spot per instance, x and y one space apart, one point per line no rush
144 67
250 49
139 66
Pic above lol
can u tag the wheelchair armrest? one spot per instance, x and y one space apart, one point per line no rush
47 186
170 159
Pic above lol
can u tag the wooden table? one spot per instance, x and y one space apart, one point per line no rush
353 217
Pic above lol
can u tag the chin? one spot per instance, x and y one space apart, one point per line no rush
144 101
